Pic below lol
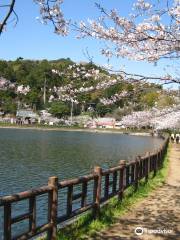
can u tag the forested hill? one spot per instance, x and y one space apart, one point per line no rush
55 84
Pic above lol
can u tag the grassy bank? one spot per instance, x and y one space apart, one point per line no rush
86 227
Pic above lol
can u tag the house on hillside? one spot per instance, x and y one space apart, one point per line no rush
26 116
119 125
101 123
81 120
105 122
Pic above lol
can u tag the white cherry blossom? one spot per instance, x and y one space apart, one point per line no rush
23 89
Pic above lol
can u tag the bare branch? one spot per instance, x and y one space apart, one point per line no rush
138 77
11 10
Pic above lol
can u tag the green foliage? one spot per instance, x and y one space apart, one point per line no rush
150 98
7 103
38 75
84 98
102 110
165 100
59 109
113 89
34 98
9 106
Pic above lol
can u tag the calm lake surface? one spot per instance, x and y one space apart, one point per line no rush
29 157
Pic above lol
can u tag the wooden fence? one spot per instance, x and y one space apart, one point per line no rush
106 184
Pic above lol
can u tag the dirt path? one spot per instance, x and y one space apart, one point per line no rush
161 210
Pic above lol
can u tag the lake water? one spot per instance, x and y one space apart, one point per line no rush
29 157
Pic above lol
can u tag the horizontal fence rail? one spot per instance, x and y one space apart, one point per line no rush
105 184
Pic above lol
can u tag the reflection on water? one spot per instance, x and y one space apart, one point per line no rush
29 157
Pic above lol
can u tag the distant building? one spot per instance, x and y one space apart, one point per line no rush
81 119
105 122
119 125
101 123
25 116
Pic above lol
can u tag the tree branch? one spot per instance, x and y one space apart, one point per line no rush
11 10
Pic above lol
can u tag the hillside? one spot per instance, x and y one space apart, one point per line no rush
56 85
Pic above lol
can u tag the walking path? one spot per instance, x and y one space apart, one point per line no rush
161 210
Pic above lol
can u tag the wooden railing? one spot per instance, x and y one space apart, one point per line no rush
104 185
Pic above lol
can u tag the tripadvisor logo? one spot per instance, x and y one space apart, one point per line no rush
139 231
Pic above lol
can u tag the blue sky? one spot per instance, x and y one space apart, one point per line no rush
32 40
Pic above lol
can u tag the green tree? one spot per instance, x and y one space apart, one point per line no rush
102 110
165 101
9 106
113 90
149 99
59 109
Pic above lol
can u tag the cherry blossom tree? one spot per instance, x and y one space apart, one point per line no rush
101 81
153 38
6 84
23 89
150 32
167 118
137 119
50 11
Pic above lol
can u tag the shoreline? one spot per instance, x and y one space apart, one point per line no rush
64 129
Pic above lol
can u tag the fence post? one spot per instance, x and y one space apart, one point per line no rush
159 159
132 173
32 210
122 163
147 167
52 208
97 191
155 163
114 182
140 167
136 174
160 156
7 221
